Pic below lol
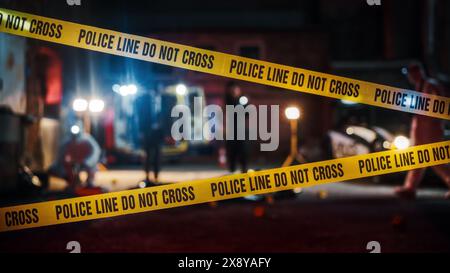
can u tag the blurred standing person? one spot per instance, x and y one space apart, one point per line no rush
424 130
236 150
150 132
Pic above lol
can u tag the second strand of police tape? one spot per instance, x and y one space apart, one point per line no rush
222 188
226 65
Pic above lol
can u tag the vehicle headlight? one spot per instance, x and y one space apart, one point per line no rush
401 142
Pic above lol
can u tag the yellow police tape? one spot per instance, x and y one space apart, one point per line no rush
231 66
221 188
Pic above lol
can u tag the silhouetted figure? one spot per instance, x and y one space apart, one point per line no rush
424 130
236 150
150 132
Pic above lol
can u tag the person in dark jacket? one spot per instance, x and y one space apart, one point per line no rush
236 150
150 132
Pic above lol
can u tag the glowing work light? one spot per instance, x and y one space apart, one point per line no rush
80 105
292 113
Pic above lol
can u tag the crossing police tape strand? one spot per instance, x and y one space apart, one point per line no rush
221 188
226 65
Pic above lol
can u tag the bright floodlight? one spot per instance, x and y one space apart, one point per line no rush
123 90
243 100
116 88
292 113
75 129
181 89
401 142
80 105
96 105
350 131
132 89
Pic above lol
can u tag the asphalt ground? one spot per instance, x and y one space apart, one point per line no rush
339 217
